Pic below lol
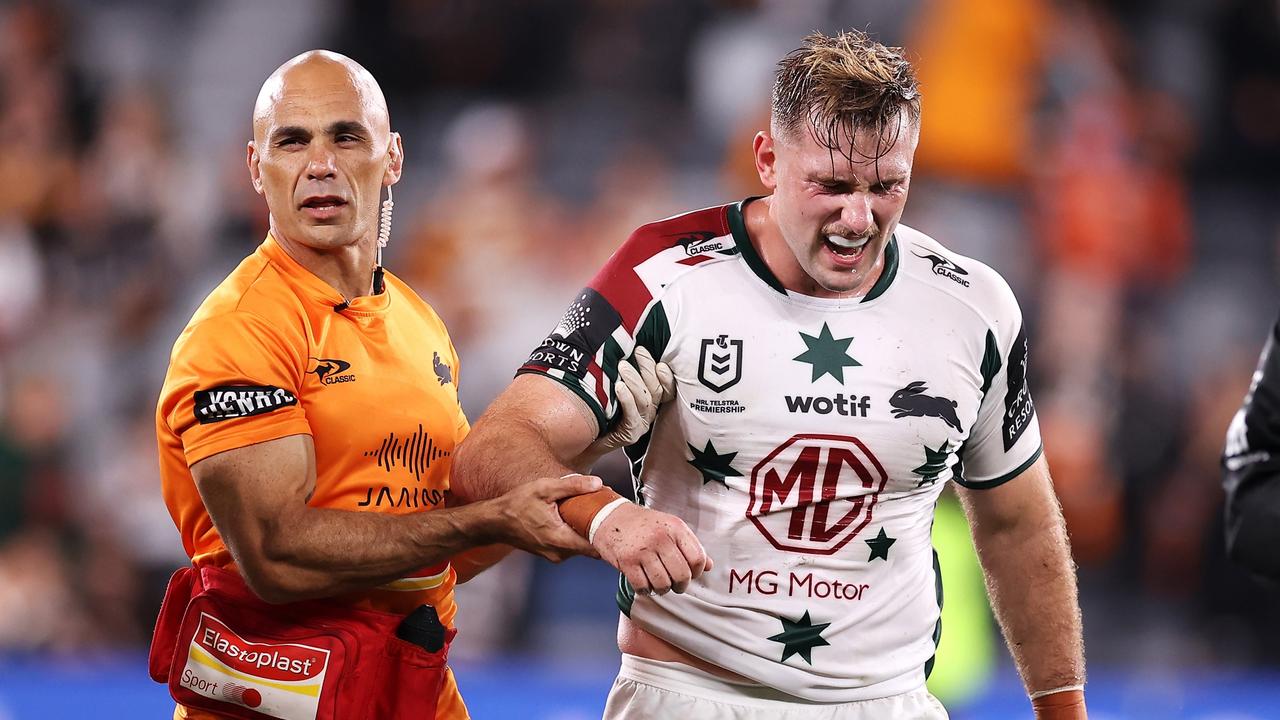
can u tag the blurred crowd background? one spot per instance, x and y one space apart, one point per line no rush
1118 162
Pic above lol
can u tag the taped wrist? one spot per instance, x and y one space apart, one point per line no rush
579 510
1060 704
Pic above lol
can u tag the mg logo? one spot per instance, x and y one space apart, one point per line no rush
814 493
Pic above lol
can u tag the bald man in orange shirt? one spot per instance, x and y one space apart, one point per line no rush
307 423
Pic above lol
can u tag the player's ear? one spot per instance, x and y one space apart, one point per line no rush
766 159
255 173
395 160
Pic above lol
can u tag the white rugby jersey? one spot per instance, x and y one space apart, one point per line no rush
807 444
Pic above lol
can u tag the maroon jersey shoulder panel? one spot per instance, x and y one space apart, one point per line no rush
618 281
616 298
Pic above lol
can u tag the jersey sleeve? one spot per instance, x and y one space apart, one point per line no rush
1005 439
462 426
233 381
1251 465
619 310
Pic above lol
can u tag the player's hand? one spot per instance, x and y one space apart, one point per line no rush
656 551
530 518
642 386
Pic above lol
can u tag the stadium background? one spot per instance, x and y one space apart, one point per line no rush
1116 161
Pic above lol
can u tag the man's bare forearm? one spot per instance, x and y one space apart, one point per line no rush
1031 580
257 497
319 552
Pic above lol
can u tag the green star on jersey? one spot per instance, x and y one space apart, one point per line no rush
713 465
800 637
827 354
880 545
935 461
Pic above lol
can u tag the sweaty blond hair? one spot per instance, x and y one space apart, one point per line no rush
840 85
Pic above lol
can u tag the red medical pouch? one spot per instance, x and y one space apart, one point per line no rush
223 650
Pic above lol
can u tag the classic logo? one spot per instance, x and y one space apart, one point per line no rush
814 493
1018 408
692 240
276 678
588 322
944 267
443 372
330 371
706 246
911 401
237 401
720 363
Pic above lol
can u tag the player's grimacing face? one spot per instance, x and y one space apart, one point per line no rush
322 159
835 215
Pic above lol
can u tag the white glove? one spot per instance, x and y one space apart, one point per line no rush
642 386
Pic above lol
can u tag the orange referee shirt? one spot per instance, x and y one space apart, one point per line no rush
375 386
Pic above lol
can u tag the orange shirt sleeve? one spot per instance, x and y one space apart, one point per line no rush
463 426
233 381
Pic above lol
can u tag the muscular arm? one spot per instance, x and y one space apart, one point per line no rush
641 386
536 428
1021 541
516 447
286 550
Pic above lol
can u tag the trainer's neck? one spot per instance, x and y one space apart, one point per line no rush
347 269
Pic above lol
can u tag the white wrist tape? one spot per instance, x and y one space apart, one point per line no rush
600 516
1055 691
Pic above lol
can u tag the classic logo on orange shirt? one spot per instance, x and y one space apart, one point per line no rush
330 371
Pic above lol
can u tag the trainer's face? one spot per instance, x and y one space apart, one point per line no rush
835 215
321 153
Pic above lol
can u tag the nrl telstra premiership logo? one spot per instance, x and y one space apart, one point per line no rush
720 363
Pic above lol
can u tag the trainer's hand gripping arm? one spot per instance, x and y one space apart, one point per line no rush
654 383
287 550
1021 541
538 428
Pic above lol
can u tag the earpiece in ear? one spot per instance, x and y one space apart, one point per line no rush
384 224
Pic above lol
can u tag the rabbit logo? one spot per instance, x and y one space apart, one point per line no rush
911 401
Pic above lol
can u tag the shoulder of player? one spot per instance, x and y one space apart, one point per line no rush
254 288
253 302
405 295
660 255
235 330
678 238
970 282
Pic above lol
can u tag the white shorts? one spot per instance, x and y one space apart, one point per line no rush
650 689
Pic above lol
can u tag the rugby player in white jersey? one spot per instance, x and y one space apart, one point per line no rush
833 369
